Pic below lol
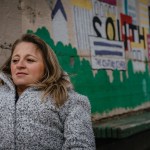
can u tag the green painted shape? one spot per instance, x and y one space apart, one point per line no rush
103 94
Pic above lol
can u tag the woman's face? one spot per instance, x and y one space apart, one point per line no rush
27 65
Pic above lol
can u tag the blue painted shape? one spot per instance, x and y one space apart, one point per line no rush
107 44
58 6
107 52
126 6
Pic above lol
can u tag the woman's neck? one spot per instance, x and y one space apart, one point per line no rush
20 90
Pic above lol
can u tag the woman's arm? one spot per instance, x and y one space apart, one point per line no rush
78 132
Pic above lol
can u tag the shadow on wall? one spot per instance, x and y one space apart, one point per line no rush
103 94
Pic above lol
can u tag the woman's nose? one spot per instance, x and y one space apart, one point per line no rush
20 64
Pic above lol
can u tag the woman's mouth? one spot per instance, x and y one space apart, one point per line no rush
19 74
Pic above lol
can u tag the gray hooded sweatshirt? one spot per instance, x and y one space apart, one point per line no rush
30 124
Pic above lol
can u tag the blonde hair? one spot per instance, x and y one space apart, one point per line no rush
55 81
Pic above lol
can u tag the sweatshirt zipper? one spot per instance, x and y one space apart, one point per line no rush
16 98
15 128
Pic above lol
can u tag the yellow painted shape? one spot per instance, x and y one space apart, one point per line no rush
82 3
143 12
110 31
143 7
111 16
146 32
144 2
141 45
136 45
144 22
144 15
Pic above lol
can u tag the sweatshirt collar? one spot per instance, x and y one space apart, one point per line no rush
7 80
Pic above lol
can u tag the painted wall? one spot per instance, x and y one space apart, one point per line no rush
104 45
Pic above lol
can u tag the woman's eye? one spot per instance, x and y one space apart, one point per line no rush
30 60
15 61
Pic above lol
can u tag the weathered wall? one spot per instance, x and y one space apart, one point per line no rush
10 26
102 44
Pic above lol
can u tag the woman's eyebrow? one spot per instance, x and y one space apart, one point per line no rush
15 55
28 55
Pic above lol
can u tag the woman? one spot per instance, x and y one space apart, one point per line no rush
38 108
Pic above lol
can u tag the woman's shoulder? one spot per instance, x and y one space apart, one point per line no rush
5 92
75 103
76 99
5 81
3 87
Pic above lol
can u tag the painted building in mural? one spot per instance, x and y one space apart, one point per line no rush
104 45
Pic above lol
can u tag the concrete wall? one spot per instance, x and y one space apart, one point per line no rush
10 26
103 45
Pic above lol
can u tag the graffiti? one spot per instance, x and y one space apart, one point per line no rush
115 44
138 59
148 48
122 29
111 2
136 34
84 18
131 10
125 21
142 36
104 63
109 22
148 43
107 26
97 21
59 23
138 54
85 4
82 26
103 94
107 54
105 10
143 13
59 6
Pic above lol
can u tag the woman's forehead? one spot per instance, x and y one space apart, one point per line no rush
26 48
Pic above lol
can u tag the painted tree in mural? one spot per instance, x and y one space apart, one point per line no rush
103 94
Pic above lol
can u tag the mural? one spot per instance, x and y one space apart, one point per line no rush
99 23
59 23
107 54
143 13
117 72
117 41
131 10
148 48
107 98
